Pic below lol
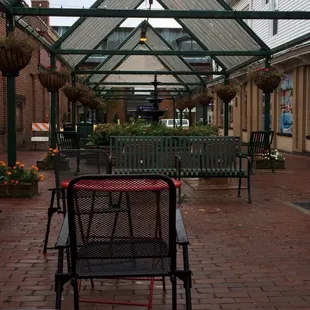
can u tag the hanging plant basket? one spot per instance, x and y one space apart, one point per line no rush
53 81
15 53
266 79
180 105
94 103
190 102
88 96
205 99
74 93
225 92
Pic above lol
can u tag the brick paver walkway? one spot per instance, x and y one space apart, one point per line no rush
243 256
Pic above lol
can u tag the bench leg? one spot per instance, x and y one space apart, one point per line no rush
239 187
179 195
249 189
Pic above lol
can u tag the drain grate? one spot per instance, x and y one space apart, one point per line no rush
305 205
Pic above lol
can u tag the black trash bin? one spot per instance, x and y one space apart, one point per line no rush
68 127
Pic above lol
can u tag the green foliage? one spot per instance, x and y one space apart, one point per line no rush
19 174
141 128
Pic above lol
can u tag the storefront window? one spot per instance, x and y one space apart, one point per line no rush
286 116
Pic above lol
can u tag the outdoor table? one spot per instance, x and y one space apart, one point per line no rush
125 186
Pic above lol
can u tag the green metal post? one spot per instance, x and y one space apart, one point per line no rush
73 107
226 120
205 114
85 113
11 102
53 107
181 118
267 102
174 111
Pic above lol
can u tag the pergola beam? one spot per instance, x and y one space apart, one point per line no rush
183 14
120 72
160 52
141 84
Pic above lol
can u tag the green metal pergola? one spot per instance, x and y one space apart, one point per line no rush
219 31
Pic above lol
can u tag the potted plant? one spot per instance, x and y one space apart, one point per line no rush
53 80
74 93
15 53
48 163
263 161
18 181
225 92
266 79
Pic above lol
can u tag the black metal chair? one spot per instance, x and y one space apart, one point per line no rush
260 145
143 245
68 165
67 140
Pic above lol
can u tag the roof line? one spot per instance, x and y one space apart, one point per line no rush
170 46
103 39
75 25
193 36
249 31
117 48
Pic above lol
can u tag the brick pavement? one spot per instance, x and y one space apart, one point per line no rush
243 256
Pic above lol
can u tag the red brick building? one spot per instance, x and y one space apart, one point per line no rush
33 101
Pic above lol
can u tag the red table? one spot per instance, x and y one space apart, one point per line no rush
121 185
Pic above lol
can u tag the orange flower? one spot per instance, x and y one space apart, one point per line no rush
9 173
17 163
55 151
14 167
50 149
22 165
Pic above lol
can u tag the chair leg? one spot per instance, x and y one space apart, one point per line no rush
239 187
187 286
271 164
58 282
74 283
50 213
249 190
164 284
173 280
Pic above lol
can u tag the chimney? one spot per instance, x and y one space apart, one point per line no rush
42 4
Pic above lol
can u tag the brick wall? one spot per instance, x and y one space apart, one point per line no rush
33 101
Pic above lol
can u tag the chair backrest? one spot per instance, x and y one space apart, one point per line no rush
67 140
260 142
72 163
218 153
143 154
121 217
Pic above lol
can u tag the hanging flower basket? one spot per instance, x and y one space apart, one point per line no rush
53 80
190 102
94 103
266 79
180 105
87 97
74 93
15 53
205 99
225 92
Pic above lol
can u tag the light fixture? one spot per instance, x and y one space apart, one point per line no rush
143 32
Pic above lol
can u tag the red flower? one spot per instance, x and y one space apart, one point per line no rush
12 181
16 182
266 70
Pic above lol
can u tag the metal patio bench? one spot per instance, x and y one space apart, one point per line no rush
67 140
105 245
260 145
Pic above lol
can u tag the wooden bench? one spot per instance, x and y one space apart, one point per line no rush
181 157
40 133
260 145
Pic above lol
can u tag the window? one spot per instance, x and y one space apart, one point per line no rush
286 116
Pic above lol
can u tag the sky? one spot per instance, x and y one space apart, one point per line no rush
132 22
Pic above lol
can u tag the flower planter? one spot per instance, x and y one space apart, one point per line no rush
74 93
13 59
226 92
19 190
265 164
53 81
267 83
64 164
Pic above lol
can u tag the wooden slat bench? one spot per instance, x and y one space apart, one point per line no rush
181 157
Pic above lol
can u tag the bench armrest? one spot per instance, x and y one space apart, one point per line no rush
62 240
109 167
248 158
181 233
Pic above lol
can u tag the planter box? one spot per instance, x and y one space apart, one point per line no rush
19 190
63 164
265 164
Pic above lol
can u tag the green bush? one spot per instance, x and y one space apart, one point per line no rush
141 128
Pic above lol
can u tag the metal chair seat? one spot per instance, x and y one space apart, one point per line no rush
141 248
